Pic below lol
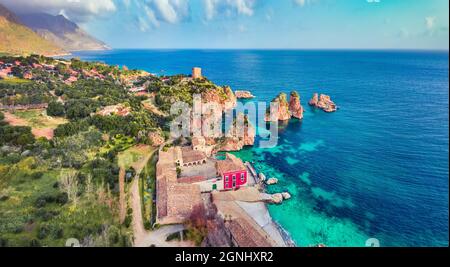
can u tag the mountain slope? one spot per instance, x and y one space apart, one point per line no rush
16 38
61 31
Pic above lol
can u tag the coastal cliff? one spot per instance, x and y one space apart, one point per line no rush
224 96
235 141
323 102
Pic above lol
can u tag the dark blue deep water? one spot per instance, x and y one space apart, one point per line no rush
378 168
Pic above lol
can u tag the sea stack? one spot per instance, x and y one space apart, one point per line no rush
295 106
280 114
323 102
244 95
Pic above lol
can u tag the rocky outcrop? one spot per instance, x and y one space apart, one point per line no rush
244 95
156 139
262 177
295 106
272 181
230 144
286 195
323 102
231 101
224 96
281 113
277 198
235 141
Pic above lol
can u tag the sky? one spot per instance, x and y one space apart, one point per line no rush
263 24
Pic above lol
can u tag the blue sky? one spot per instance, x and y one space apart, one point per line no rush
311 24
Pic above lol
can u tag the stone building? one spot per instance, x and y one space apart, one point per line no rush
196 73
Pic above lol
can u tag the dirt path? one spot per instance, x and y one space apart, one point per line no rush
122 201
14 120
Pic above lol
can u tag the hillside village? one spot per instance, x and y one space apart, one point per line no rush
82 131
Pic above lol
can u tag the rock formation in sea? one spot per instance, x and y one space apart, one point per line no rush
295 106
281 113
286 195
237 137
323 102
277 198
272 181
244 95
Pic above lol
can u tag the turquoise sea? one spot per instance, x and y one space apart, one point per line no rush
377 168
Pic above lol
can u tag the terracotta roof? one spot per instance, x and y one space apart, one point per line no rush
161 197
190 155
246 235
175 200
230 164
198 141
191 179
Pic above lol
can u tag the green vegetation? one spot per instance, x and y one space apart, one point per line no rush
295 94
37 208
38 119
14 81
23 93
147 190
67 186
14 135
55 109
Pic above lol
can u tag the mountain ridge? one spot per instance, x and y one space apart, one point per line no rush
61 31
16 38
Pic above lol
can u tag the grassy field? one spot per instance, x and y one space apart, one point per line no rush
41 124
135 157
35 212
18 39
14 80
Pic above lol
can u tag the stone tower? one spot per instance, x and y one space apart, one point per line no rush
196 73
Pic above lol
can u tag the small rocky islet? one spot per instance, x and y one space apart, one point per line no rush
293 108
323 102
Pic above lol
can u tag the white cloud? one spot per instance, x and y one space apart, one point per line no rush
151 13
77 10
151 16
171 11
228 7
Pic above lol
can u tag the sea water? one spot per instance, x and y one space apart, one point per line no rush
377 168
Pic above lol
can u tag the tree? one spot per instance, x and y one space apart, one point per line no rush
68 183
55 109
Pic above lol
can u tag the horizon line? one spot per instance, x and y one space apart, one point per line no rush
279 49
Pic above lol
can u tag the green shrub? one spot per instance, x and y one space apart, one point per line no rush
37 175
55 109
127 221
42 232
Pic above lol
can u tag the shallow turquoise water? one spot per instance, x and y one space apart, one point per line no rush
377 168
